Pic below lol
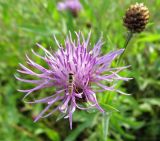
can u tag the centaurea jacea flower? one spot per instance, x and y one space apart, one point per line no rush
73 71
72 5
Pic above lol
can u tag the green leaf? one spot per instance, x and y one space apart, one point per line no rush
108 108
74 134
131 122
105 125
152 101
149 38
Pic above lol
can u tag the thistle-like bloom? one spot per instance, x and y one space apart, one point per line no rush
76 72
73 5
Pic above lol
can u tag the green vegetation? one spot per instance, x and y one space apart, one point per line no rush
23 23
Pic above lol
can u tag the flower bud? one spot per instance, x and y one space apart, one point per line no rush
136 18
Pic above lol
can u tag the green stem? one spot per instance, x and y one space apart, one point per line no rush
106 117
106 120
128 39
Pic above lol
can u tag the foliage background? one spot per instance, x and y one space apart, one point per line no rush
23 23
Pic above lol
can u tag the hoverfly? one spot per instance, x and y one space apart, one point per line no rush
70 83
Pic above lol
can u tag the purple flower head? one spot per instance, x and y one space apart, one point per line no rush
74 70
73 5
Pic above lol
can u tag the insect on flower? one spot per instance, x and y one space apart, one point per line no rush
70 89
71 83
73 70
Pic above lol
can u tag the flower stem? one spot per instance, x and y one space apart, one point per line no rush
128 39
106 119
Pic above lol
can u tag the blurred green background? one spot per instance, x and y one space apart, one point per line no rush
23 23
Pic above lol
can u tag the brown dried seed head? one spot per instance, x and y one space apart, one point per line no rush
136 18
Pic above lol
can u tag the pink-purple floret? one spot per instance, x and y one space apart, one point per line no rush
88 67
73 5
